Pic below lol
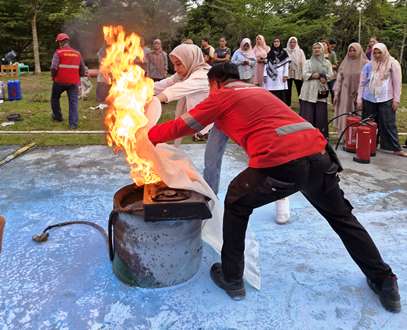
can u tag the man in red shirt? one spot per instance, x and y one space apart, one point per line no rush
66 69
286 155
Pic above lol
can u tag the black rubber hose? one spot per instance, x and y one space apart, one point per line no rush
363 121
344 114
43 237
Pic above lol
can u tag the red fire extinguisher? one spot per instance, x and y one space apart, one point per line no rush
352 123
373 135
363 144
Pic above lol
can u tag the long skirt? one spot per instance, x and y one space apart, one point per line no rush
281 94
316 114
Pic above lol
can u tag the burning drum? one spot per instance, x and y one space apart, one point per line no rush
155 235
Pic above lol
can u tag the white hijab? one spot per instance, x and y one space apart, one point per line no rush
296 54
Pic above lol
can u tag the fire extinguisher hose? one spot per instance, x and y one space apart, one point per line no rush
363 121
355 112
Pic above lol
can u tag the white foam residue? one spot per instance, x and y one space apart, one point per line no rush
164 320
11 317
26 318
95 326
118 314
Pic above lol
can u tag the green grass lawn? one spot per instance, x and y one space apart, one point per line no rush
36 112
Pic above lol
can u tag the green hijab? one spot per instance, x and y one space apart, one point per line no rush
318 63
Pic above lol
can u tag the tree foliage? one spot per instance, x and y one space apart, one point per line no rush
16 30
309 20
171 20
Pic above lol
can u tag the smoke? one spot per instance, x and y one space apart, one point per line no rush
149 18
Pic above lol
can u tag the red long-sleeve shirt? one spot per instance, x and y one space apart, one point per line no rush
269 131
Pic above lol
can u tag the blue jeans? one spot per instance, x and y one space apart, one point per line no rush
73 91
215 148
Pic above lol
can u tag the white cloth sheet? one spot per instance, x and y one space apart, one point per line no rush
177 171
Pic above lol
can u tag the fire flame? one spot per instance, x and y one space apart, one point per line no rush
129 93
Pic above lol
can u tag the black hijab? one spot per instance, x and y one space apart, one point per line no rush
276 54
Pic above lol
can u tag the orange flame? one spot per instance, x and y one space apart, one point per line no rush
128 96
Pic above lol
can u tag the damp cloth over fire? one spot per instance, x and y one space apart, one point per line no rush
177 171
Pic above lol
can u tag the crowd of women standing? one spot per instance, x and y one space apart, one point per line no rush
356 84
366 82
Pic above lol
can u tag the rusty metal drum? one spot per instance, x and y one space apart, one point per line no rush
151 254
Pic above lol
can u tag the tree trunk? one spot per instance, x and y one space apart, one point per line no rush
36 47
403 45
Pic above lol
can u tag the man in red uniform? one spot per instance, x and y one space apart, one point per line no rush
66 69
286 155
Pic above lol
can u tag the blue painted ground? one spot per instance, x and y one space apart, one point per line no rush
309 281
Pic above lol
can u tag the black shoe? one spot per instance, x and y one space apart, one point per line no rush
56 118
388 293
235 289
73 126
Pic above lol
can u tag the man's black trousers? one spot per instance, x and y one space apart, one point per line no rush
316 177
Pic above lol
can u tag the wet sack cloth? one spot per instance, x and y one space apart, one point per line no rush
177 171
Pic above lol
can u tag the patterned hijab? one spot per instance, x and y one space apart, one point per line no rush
276 54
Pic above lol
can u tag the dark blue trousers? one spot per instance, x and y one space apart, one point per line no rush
73 92
386 121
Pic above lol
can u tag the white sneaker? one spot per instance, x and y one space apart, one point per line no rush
282 211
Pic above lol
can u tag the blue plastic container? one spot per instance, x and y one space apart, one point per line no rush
2 91
14 90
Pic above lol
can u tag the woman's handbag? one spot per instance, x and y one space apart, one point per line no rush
323 91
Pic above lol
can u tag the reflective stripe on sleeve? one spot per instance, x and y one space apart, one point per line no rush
293 128
69 66
192 122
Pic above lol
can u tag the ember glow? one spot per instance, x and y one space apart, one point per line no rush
128 96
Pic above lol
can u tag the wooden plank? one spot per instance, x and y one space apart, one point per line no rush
17 153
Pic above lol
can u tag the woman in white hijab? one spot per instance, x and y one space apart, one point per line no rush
295 69
379 95
189 85
245 60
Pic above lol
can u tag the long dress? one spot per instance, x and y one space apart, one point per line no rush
346 91
261 56
347 85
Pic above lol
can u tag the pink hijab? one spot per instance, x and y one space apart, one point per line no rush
380 69
192 58
261 49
